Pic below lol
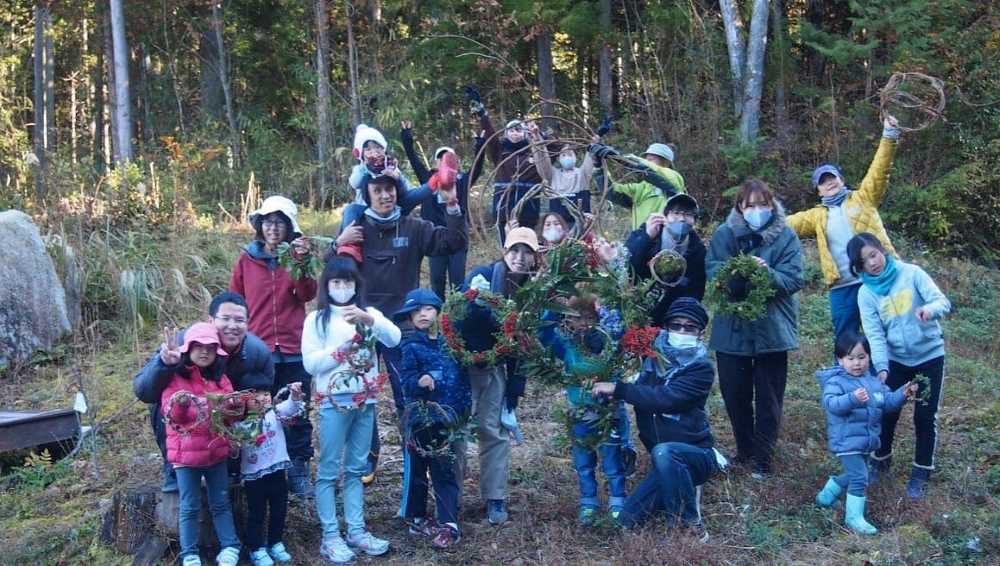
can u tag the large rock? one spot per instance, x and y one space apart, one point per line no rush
32 299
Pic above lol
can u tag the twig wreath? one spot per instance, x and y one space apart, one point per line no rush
453 314
918 95
432 428
751 307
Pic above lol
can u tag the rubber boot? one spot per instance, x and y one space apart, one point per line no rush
878 469
916 489
830 493
855 516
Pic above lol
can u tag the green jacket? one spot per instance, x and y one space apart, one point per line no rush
643 197
777 244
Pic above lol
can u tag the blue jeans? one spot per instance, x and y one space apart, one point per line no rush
671 486
844 310
585 463
345 436
855 476
447 272
217 487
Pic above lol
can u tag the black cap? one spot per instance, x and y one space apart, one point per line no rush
689 308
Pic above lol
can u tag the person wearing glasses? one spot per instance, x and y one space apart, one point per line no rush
248 366
277 304
671 230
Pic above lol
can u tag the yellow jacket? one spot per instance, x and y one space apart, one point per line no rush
861 209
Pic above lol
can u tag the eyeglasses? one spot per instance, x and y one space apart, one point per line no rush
237 320
684 214
683 327
269 223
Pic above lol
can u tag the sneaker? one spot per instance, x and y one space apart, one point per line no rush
191 560
614 513
698 531
496 511
229 556
278 552
426 526
368 543
369 477
260 557
628 461
335 550
586 516
447 537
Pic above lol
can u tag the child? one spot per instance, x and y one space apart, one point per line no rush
569 181
582 322
900 307
855 402
194 449
263 464
430 374
338 350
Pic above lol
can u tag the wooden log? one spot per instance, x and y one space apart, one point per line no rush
128 521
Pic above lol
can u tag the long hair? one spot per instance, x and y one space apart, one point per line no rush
338 267
753 187
212 373
854 247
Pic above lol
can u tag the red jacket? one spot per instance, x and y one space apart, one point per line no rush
201 447
277 302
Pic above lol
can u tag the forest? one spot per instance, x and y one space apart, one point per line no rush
139 135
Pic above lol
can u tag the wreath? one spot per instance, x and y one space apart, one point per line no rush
432 428
307 265
453 313
667 267
358 353
200 405
741 268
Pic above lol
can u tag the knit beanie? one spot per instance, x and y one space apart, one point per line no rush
364 134
689 308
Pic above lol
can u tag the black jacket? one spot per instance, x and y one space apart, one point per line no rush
642 248
430 209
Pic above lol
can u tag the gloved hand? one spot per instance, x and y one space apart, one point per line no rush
508 421
890 128
605 127
475 100
602 151
738 288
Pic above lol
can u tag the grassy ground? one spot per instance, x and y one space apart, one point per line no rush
49 512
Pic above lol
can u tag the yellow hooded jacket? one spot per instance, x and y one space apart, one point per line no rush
861 209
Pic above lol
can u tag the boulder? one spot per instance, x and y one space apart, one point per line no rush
32 299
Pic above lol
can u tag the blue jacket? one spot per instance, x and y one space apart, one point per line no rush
565 350
425 355
670 404
853 427
642 248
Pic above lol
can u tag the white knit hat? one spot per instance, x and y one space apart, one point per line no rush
364 134
278 203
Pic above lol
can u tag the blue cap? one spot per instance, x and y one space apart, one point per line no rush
689 308
826 169
415 299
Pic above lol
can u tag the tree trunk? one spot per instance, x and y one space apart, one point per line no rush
737 52
212 98
123 106
39 131
97 135
352 66
323 102
50 83
605 87
111 134
148 128
754 76
546 76
780 97
223 68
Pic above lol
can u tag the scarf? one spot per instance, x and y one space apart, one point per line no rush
837 199
383 220
881 284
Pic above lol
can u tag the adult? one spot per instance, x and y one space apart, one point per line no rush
277 305
394 246
753 355
841 214
900 307
658 182
446 272
669 403
569 183
553 230
673 229
248 366
496 387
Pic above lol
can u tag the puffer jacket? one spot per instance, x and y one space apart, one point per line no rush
670 404
777 244
853 427
277 302
202 447
425 355
861 208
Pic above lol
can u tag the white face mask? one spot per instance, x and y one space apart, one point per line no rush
681 341
553 234
567 161
340 295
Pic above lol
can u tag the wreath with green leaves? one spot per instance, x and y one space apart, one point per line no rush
760 290
309 264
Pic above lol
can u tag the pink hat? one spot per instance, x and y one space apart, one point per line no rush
202 333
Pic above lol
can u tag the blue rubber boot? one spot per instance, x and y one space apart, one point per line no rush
916 488
830 493
855 516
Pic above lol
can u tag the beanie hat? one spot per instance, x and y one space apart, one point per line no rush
660 150
825 169
514 124
364 134
689 308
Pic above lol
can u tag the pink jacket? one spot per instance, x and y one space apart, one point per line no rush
201 448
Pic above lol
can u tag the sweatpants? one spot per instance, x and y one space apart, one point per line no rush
488 386
924 413
753 388
267 497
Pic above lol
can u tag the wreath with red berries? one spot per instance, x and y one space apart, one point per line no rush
453 313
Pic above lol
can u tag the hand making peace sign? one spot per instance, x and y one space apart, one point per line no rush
170 350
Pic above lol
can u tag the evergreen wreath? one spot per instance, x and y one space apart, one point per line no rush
667 267
751 307
432 428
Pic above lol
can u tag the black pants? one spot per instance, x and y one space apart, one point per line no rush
393 358
753 388
505 200
581 200
298 435
924 412
415 486
268 491
447 272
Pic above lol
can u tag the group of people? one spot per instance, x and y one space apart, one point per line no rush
373 323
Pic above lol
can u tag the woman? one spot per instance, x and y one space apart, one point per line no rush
900 307
553 230
277 307
753 355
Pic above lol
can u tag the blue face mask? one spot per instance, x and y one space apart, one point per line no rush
679 229
757 218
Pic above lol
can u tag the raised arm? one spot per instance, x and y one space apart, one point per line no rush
872 188
416 162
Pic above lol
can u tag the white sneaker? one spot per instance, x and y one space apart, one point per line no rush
229 556
260 557
335 550
368 543
191 560
278 553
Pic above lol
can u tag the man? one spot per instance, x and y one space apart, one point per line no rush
657 183
669 403
248 366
